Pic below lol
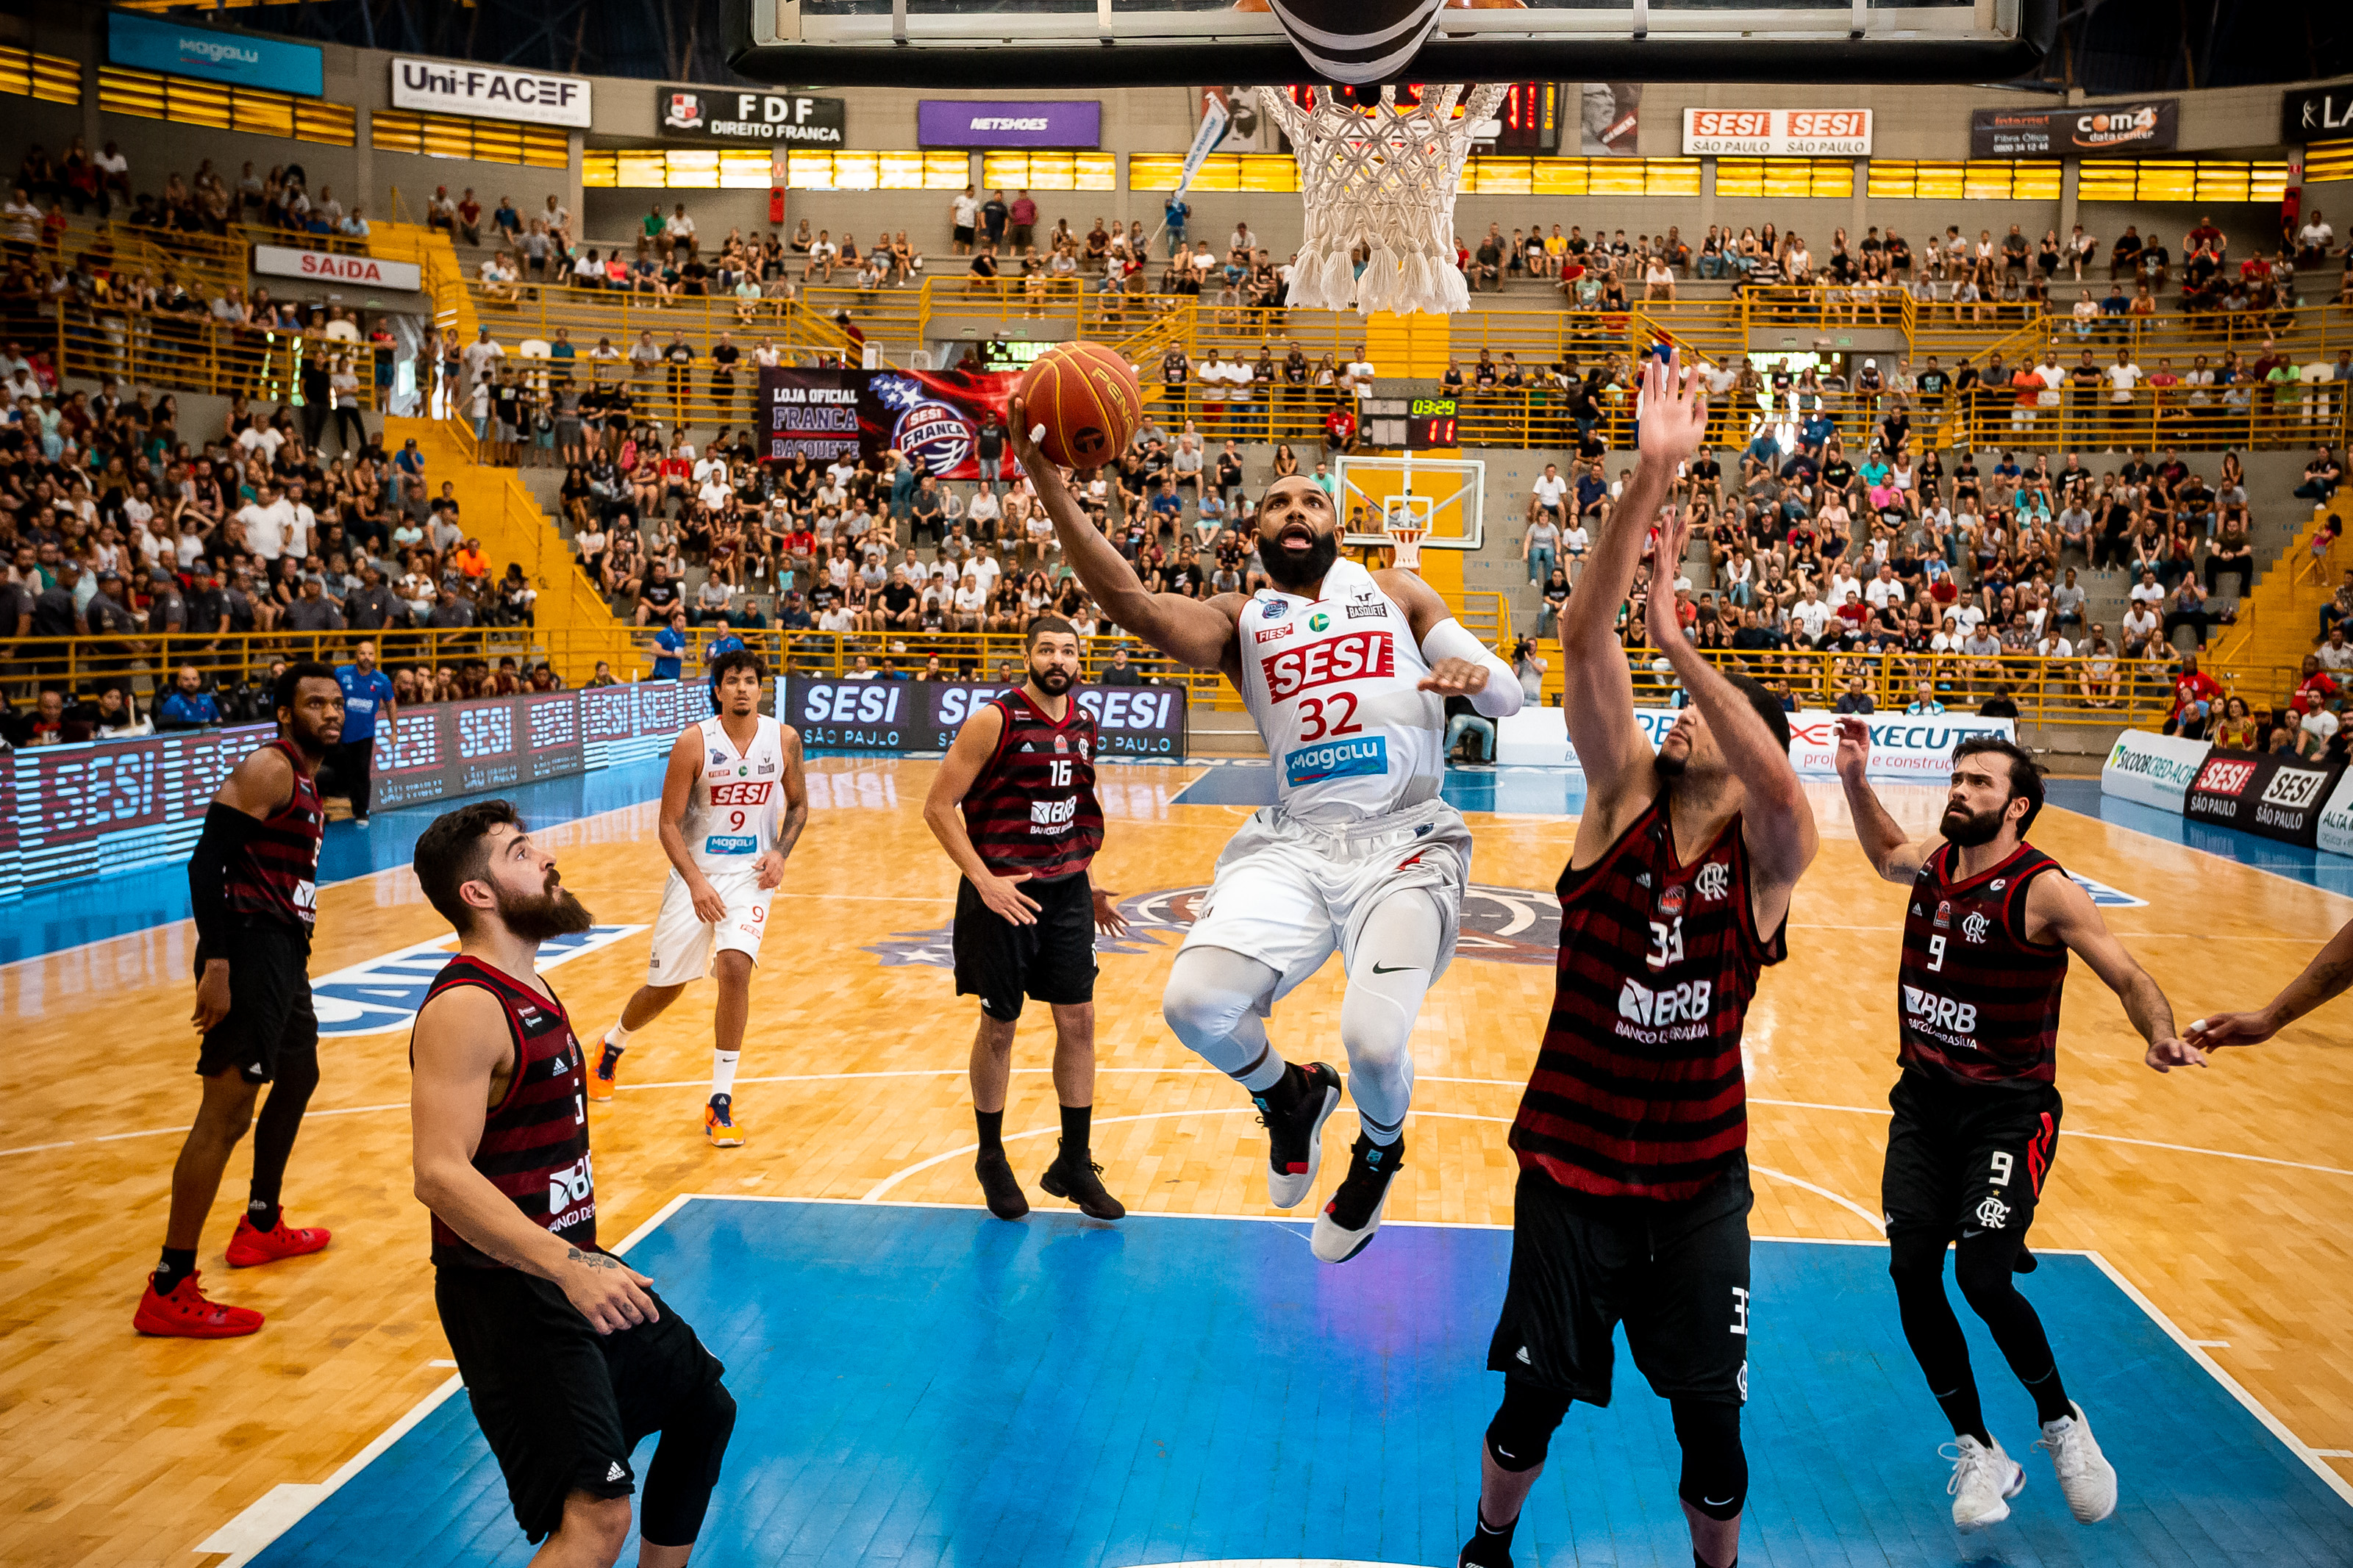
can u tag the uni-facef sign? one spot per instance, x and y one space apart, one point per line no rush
489 92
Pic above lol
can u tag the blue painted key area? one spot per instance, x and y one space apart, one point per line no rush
931 1388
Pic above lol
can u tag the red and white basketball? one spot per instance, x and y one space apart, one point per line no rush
1084 404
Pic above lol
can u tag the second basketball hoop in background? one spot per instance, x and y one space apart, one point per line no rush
1405 542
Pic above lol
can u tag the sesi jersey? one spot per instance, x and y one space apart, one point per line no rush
1978 1002
1638 1089
732 817
1330 683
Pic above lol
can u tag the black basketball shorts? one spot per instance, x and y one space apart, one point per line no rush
562 1406
269 1012
1676 1274
1964 1160
1052 961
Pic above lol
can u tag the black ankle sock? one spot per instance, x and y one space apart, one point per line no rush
1282 1097
262 1213
1076 1120
1967 1416
992 1130
1490 1545
179 1262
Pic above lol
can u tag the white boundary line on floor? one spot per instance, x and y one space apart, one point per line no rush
2314 1458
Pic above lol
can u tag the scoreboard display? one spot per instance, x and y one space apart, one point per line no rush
1411 423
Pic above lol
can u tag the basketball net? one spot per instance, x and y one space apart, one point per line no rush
1385 177
1405 540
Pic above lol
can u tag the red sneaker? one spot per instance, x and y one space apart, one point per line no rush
250 1246
185 1314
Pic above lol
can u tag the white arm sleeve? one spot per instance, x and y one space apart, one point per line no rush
1502 696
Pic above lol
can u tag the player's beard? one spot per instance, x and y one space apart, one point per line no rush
1296 574
1051 679
1970 828
543 916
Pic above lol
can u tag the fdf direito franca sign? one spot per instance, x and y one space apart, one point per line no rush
730 114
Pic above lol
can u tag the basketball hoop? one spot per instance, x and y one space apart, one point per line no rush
1386 177
1405 540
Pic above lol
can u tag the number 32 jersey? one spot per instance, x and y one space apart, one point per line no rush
731 818
1331 684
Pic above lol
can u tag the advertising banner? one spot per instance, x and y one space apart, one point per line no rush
2336 826
2154 770
924 715
932 414
975 122
1919 749
809 413
175 48
491 92
71 812
733 114
2276 795
2084 130
1777 133
329 266
2315 114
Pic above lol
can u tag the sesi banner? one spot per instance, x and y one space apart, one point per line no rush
2154 770
924 715
2276 794
933 414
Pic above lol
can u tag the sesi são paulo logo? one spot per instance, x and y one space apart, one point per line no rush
937 432
1504 925
383 994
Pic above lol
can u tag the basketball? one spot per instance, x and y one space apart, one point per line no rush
1084 404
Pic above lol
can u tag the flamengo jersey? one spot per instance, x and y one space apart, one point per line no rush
275 874
1033 808
731 818
1330 683
1979 1001
535 1144
1638 1089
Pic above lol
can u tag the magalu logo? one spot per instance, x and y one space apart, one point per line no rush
383 994
1500 925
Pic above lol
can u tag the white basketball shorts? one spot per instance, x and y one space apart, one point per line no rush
1287 893
684 946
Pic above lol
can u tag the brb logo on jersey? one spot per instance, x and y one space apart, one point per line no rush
1939 1014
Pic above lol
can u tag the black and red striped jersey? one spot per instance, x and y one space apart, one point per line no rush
275 873
1979 1002
534 1145
1033 807
1638 1089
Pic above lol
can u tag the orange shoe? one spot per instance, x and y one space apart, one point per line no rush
185 1314
250 1246
605 1073
719 1123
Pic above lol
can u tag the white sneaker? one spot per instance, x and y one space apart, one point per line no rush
2084 1473
1984 1481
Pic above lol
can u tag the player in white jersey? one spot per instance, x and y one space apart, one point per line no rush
1346 673
734 804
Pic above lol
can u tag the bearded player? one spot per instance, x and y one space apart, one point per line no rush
1346 673
1633 1196
1985 940
733 807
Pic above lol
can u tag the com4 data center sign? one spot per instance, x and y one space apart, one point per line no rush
924 715
2278 797
2154 770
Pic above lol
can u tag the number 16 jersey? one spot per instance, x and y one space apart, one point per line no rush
1332 684
731 818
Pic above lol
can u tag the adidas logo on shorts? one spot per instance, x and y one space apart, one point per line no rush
616 1473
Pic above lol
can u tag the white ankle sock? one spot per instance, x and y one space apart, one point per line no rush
617 1037
723 1071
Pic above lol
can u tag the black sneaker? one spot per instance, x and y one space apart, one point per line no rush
1295 1141
1481 1551
1347 1223
1000 1186
1076 1181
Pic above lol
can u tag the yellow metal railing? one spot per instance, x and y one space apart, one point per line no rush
190 351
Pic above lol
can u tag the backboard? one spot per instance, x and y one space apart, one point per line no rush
959 45
1444 495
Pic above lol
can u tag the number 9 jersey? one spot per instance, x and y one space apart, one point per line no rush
732 819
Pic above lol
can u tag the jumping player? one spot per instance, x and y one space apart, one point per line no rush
1633 1197
733 807
569 1356
1014 805
1976 1127
253 890
1346 673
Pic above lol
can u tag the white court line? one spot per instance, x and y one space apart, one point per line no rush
2212 1344
290 1517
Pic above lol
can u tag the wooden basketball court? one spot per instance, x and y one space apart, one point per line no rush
2224 1197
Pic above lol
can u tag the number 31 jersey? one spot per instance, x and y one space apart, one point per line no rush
731 818
1331 684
